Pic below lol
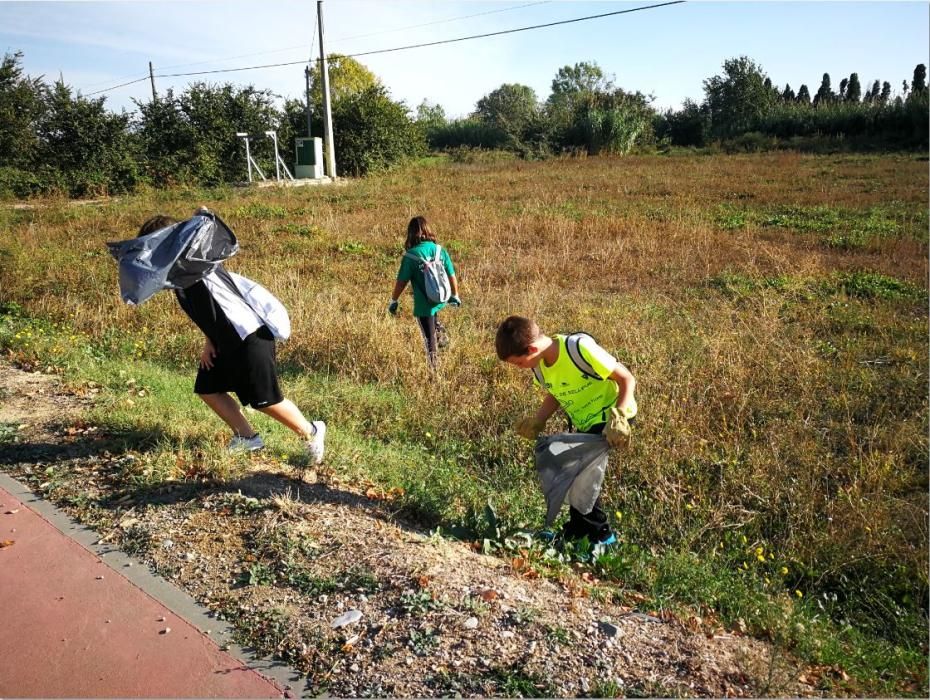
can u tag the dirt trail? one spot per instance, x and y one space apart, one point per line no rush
282 558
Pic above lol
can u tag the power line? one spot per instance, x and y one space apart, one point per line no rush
131 82
514 31
409 46
443 21
386 31
232 70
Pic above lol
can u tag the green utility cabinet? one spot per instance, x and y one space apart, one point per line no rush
309 158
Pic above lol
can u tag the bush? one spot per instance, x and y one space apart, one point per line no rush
470 132
466 154
751 142
19 184
373 133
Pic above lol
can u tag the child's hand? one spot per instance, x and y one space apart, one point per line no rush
207 355
392 307
529 427
617 431
454 300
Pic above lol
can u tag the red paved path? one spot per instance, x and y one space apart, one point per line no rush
70 626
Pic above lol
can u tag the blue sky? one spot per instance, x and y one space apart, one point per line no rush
667 51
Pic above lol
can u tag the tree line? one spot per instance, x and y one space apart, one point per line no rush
53 139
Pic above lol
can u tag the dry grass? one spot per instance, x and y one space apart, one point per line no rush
776 400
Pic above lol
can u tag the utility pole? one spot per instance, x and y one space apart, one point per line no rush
152 78
307 76
327 111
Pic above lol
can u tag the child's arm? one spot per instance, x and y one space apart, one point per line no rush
545 411
531 426
626 401
617 430
454 285
399 287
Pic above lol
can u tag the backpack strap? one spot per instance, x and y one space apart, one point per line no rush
572 345
416 258
222 273
539 376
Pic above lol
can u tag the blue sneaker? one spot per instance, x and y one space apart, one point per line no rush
544 535
597 549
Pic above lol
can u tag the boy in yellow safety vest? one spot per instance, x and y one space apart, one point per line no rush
588 383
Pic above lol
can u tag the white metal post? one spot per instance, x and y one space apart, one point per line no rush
248 156
277 160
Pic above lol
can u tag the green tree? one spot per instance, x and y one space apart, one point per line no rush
687 127
373 133
919 81
788 94
191 137
886 92
166 140
613 122
853 89
737 98
293 124
511 108
347 77
430 116
571 86
872 94
216 113
804 95
843 83
21 103
580 78
825 92
82 147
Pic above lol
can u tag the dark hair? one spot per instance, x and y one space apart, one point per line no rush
514 336
417 232
159 221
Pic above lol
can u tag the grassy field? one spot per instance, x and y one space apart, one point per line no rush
772 307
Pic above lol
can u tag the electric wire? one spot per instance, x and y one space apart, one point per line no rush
441 21
408 47
514 31
131 82
316 19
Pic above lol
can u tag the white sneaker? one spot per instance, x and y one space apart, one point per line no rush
315 444
244 444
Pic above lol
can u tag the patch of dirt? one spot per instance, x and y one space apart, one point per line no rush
283 558
32 399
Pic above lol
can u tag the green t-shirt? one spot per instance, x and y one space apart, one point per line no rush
410 272
585 400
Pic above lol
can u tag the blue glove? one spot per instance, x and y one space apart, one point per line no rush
455 301
392 307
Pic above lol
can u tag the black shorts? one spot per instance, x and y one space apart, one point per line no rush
249 370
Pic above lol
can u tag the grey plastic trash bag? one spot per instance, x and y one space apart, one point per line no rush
571 466
174 257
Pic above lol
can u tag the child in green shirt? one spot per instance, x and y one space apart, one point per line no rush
421 246
587 382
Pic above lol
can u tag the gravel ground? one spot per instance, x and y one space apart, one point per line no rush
323 575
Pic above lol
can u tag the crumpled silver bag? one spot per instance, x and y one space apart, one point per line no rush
174 257
571 466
